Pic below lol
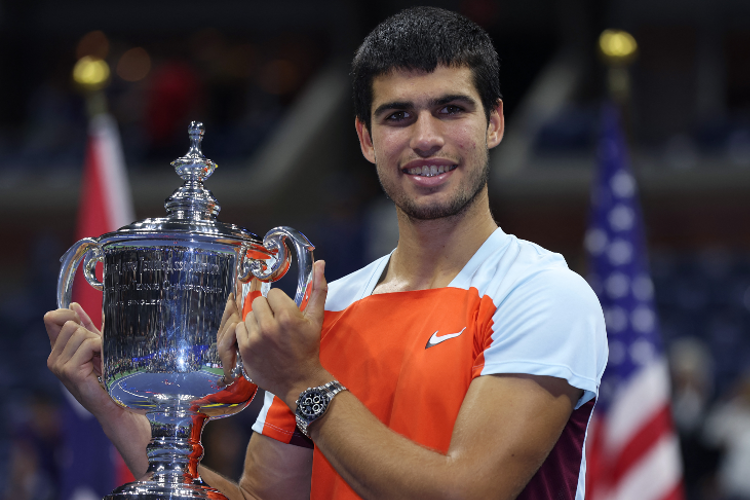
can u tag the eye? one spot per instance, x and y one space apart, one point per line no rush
397 116
451 109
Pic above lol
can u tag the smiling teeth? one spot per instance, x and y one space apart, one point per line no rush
430 170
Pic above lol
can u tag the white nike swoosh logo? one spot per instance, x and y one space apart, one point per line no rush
435 340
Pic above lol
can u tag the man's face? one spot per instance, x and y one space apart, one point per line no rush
429 139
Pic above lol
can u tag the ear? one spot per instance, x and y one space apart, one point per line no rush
496 126
365 140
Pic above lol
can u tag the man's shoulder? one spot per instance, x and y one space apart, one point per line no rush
505 261
354 286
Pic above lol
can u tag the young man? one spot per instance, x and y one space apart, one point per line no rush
465 364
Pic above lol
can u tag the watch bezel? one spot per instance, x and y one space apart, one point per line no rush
326 392
324 400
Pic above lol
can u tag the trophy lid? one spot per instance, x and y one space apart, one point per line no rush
192 209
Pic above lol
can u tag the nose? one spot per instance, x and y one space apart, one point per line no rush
427 137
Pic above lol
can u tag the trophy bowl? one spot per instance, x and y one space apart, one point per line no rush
166 283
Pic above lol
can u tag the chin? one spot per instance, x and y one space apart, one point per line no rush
455 207
435 211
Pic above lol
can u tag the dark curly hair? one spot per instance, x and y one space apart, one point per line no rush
419 39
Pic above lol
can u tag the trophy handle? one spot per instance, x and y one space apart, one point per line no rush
277 241
87 250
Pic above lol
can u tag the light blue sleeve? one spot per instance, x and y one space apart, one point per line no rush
550 323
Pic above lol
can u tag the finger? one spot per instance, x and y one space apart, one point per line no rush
69 341
87 351
242 333
238 302
229 319
227 351
63 337
248 337
316 306
54 321
227 344
81 367
228 309
227 326
262 314
79 336
85 318
278 300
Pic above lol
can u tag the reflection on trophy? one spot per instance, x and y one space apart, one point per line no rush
166 285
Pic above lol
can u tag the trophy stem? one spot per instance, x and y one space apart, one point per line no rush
173 456
175 448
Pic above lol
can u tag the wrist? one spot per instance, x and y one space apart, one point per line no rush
314 402
111 419
316 379
116 420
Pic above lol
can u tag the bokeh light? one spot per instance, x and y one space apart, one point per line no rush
94 44
134 65
91 73
617 46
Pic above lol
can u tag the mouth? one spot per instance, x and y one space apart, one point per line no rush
429 170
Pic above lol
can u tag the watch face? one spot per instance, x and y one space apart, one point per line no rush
312 403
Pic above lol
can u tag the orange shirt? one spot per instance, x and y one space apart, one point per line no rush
409 357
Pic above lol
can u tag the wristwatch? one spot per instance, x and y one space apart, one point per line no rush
313 402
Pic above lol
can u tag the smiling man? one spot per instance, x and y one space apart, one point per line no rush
431 134
465 364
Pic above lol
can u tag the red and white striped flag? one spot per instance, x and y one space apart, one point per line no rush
105 200
93 467
632 449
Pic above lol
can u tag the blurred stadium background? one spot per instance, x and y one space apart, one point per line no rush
270 82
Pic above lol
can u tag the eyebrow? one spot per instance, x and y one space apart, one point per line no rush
402 105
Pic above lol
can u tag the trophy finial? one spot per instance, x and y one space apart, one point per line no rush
192 200
194 166
196 131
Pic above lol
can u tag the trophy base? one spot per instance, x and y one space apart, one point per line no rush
158 490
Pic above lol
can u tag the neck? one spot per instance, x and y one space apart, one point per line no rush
430 253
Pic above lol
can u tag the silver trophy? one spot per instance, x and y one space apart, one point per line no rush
166 284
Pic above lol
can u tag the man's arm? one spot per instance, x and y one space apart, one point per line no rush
506 427
75 358
273 471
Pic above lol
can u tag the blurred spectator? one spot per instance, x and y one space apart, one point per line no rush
728 427
692 384
34 465
692 367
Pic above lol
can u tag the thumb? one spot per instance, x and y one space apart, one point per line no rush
316 305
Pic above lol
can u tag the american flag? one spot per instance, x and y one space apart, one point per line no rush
91 465
633 452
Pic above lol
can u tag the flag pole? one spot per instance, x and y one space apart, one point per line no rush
91 76
618 50
94 467
632 448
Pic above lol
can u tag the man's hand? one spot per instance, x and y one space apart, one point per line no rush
76 359
226 339
280 345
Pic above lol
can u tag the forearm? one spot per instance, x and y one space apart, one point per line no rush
130 433
505 430
379 463
228 487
